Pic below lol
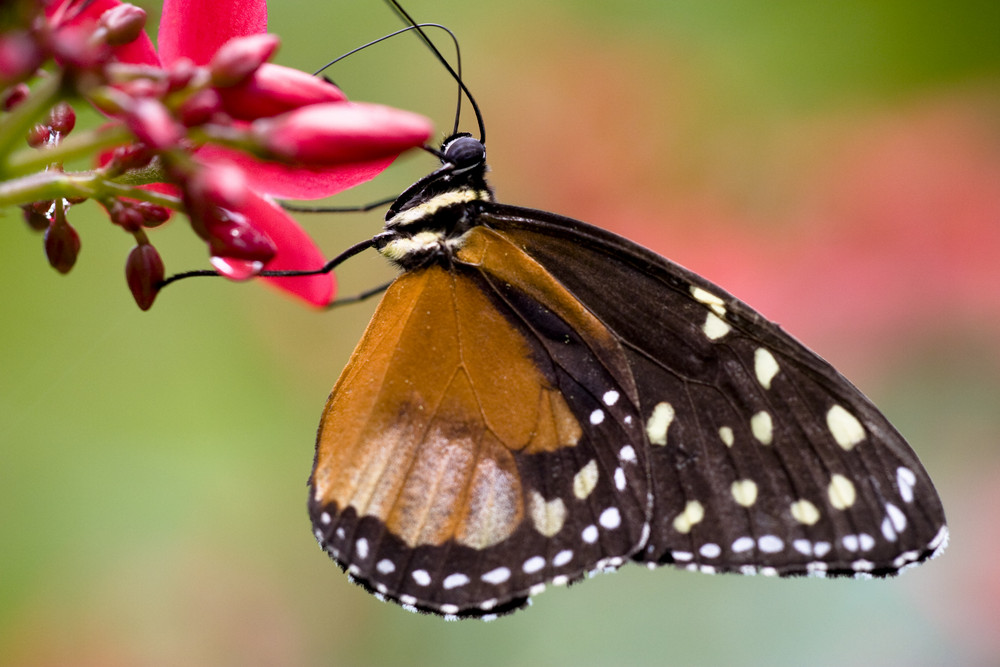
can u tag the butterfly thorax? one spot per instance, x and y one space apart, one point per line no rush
428 222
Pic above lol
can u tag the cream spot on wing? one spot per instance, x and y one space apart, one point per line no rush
805 512
726 435
585 480
765 366
762 427
744 492
547 517
717 305
714 327
845 427
659 422
841 492
693 513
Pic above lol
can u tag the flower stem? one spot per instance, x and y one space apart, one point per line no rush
84 144
56 185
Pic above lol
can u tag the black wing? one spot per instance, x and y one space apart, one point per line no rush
763 457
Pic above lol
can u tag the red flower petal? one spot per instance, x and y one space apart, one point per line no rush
273 89
296 251
330 134
288 182
197 28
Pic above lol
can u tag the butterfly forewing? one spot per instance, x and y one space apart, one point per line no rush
763 457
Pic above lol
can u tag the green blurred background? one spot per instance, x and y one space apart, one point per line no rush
837 165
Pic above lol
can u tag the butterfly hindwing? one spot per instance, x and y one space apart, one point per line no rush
453 474
763 458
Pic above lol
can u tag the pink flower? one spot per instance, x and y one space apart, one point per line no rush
322 144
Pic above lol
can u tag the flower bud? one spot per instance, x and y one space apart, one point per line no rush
20 56
273 89
38 136
331 134
123 24
231 237
37 220
129 157
62 118
62 244
14 96
125 214
181 73
200 108
152 124
144 273
239 57
153 215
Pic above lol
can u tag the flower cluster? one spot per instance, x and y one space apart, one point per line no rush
204 125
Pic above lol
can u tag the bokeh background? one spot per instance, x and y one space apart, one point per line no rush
837 165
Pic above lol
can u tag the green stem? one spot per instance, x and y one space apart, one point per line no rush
84 144
48 185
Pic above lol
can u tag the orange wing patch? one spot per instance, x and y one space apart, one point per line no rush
421 427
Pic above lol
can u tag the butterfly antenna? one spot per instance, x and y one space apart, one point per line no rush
457 75
382 39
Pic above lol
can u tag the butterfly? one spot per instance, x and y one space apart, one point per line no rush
537 399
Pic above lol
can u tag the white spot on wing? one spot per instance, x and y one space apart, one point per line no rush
905 480
496 576
562 558
385 566
533 564
770 544
627 454
610 518
619 479
589 534
710 550
421 577
610 397
455 580
597 417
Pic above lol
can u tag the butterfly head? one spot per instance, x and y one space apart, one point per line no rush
463 153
